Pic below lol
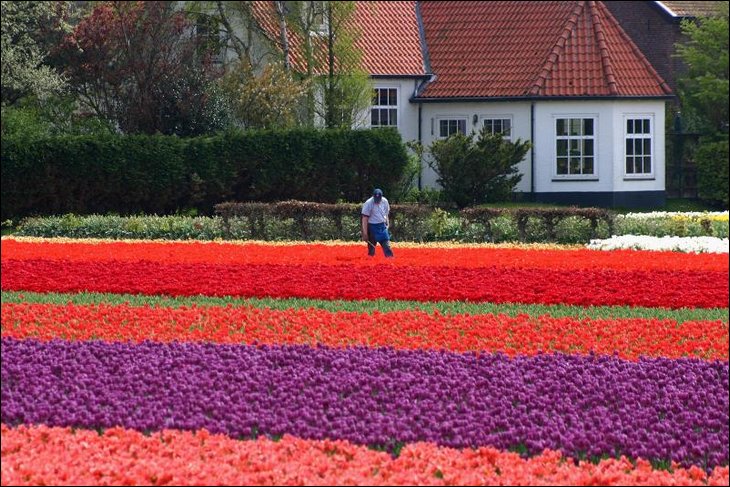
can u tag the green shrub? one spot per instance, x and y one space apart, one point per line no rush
712 161
477 171
166 174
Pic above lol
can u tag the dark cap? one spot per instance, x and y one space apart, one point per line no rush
378 192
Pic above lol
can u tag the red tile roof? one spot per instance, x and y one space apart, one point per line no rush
532 49
389 41
692 9
388 37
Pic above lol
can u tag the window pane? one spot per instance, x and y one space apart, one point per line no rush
497 126
588 126
383 97
462 126
588 147
629 147
443 128
637 147
647 126
647 147
629 126
575 165
575 126
393 116
629 165
374 117
393 97
507 127
647 165
375 96
489 125
562 148
574 147
384 117
560 127
562 165
587 165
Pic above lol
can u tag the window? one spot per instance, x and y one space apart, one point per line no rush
499 126
638 146
316 12
384 112
575 146
451 126
208 33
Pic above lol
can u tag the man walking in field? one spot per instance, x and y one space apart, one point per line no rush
375 223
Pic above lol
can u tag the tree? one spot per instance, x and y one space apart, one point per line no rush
340 89
258 83
141 66
26 27
704 89
704 95
477 171
265 100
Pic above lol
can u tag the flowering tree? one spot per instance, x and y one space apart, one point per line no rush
25 27
141 66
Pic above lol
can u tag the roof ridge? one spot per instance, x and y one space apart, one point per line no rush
606 64
557 49
637 52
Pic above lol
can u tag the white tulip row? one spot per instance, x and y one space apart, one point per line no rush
677 244
670 214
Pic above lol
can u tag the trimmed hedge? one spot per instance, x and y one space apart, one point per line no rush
713 165
123 227
302 220
550 218
129 174
296 220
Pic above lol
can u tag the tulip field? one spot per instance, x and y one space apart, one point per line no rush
234 363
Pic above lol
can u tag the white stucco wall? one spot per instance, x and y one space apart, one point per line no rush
518 112
610 122
407 112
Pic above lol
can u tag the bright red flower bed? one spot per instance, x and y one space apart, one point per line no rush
523 334
670 289
251 253
40 455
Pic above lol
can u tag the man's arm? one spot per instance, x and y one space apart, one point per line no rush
364 225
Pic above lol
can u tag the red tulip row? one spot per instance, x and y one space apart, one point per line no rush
259 253
523 334
669 289
40 455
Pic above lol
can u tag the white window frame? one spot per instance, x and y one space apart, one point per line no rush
217 57
483 119
387 107
322 28
650 136
436 131
575 177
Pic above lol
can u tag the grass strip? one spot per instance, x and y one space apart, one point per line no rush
369 306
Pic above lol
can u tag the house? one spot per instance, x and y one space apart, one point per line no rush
562 74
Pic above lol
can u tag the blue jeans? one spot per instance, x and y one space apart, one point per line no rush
377 233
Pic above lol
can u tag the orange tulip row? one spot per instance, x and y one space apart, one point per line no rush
411 329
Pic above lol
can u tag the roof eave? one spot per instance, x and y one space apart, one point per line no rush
458 99
401 75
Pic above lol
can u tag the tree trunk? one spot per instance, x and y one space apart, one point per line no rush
329 100
283 34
